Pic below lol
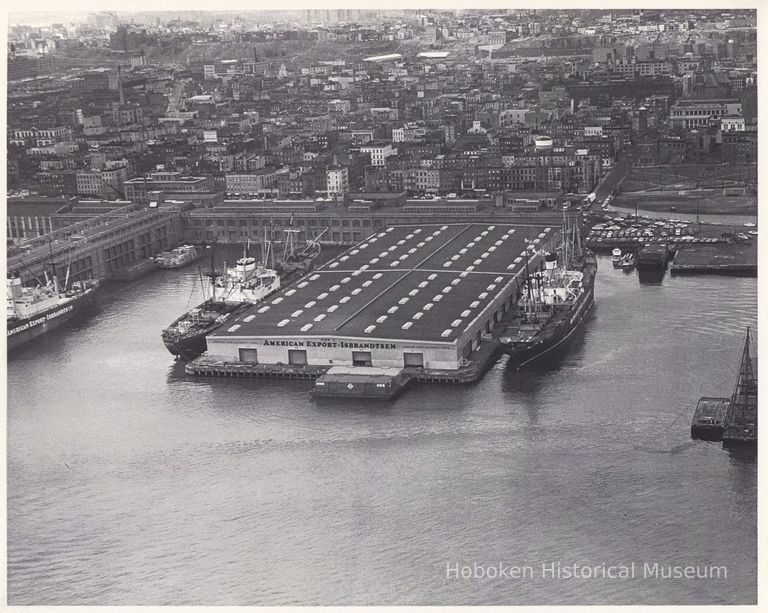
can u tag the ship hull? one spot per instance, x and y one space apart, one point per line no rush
550 344
26 330
190 345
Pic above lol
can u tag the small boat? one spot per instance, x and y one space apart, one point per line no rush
616 257
628 262
178 257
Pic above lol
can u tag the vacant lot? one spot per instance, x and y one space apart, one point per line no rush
711 203
676 178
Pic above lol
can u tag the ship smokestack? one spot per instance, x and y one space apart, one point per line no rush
550 264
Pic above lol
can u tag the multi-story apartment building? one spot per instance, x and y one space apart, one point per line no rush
337 180
379 151
106 183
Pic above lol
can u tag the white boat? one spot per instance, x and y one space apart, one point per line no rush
178 257
616 257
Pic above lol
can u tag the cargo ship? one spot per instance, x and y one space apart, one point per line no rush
234 292
33 311
553 304
177 257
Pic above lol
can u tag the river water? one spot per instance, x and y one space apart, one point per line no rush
129 483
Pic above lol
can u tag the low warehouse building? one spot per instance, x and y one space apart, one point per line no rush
408 296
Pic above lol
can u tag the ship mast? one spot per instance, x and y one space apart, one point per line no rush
53 268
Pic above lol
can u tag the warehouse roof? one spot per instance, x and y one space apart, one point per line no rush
425 282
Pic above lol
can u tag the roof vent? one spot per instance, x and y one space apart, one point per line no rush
283 323
407 325
302 284
314 277
297 312
446 333
369 329
306 327
263 309
249 319
392 310
233 328
381 319
344 300
321 317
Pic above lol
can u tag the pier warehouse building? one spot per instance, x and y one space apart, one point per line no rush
411 295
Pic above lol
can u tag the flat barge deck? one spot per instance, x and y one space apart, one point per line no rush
720 258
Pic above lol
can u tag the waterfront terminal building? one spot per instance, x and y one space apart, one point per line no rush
412 295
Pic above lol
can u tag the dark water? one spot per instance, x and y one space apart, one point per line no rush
131 484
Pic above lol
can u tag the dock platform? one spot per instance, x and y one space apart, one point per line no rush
739 259
709 419
483 359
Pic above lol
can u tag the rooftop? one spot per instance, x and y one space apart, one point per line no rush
427 282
